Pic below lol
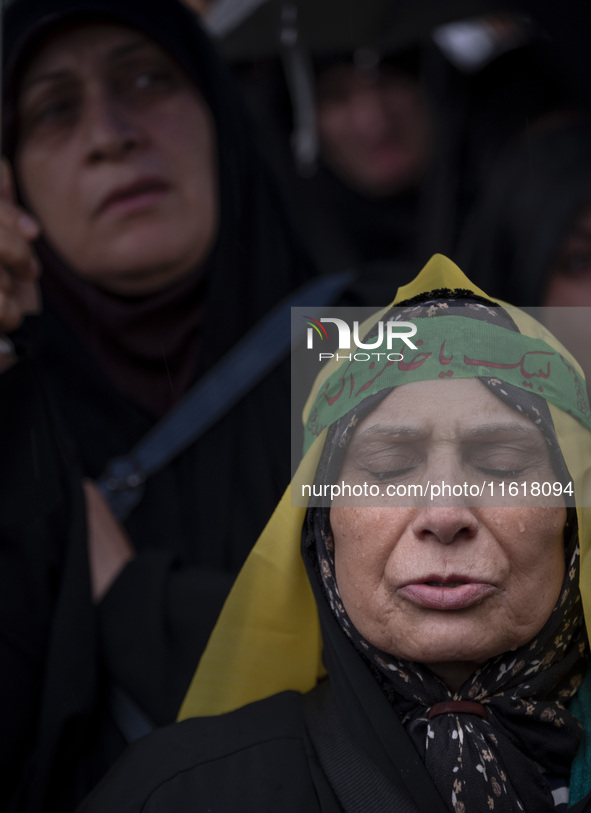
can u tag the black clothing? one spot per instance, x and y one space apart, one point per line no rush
49 687
153 623
156 618
259 758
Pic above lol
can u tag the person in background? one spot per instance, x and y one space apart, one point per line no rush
373 123
406 130
377 136
140 209
406 133
528 239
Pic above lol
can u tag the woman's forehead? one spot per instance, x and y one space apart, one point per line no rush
455 408
77 45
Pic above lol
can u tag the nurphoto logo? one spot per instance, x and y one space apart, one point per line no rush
394 331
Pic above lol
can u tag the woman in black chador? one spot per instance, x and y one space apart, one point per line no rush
141 210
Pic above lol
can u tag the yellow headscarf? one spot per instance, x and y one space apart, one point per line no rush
268 638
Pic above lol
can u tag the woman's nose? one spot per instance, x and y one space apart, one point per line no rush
109 127
444 524
366 109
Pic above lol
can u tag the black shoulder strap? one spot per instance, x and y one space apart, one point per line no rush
213 395
358 783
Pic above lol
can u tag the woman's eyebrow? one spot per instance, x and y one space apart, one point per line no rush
117 53
386 430
129 48
50 76
492 429
489 430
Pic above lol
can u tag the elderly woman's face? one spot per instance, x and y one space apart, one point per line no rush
448 585
116 158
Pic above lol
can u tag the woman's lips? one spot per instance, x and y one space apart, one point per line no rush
133 198
453 594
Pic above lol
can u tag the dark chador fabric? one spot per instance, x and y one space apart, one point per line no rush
189 545
49 684
112 368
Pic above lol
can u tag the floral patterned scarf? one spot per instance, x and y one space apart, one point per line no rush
497 763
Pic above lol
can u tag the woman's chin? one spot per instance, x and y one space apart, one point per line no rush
450 638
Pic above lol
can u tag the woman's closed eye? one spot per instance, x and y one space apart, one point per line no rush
383 466
502 463
502 473
383 476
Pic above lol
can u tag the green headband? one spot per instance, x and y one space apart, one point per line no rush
450 347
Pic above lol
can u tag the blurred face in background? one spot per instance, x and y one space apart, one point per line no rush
570 277
117 158
374 126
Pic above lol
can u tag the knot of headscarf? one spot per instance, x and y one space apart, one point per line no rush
494 761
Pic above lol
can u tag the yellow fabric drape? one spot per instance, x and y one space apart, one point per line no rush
268 638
